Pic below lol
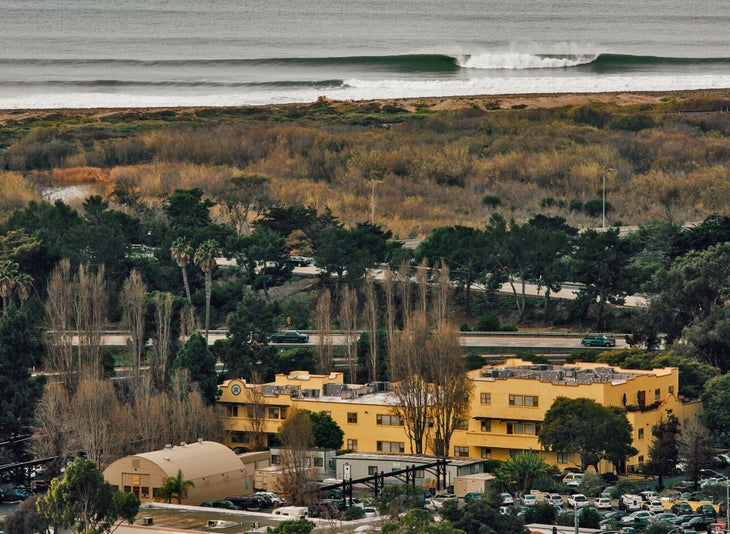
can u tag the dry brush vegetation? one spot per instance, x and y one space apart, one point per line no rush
432 167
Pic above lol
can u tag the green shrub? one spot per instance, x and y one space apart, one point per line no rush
490 201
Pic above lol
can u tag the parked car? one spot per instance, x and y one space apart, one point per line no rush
650 495
577 501
698 523
553 498
529 500
14 495
706 510
245 502
640 518
39 486
573 480
681 508
225 504
473 495
654 506
607 492
275 499
289 336
598 340
603 503
665 517
300 261
507 498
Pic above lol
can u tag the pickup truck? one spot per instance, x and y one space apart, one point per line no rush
598 340
289 336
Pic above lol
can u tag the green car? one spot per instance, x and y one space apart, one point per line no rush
289 336
598 340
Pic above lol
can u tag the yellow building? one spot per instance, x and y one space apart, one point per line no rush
507 405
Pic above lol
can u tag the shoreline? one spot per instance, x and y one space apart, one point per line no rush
434 103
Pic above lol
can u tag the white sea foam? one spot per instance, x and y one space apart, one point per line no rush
360 89
521 61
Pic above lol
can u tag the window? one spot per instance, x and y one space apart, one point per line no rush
516 452
274 459
523 400
486 452
462 425
486 426
351 417
641 459
239 437
352 444
657 394
641 433
273 412
232 410
318 461
461 451
562 457
372 470
485 398
391 446
394 420
671 389
521 428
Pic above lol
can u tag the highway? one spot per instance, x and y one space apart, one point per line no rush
473 341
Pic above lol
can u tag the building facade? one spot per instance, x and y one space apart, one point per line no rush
507 405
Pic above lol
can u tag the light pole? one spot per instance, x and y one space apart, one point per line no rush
575 516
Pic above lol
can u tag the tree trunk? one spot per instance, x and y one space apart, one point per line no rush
208 290
186 284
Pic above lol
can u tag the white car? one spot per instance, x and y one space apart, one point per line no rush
603 503
507 498
642 516
273 497
578 501
529 500
654 506
553 498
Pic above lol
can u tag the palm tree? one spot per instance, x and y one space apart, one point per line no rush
24 284
175 488
182 253
8 278
205 258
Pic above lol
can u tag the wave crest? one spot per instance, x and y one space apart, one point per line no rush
523 61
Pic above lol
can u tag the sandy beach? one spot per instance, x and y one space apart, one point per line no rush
449 103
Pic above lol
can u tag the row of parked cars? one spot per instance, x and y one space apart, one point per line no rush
259 501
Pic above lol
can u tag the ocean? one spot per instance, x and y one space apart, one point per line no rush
149 53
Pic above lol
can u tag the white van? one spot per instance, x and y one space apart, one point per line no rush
292 512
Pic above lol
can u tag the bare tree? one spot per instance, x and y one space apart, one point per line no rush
90 306
695 446
50 428
450 385
132 298
412 389
297 439
404 285
256 413
323 321
348 314
443 293
59 339
422 283
97 421
161 355
371 314
388 289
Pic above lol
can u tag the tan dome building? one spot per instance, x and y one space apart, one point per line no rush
216 471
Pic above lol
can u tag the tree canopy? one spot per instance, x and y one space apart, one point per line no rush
83 502
585 427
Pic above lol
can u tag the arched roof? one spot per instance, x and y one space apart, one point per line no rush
195 460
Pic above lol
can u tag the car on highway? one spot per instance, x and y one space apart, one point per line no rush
599 340
289 336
